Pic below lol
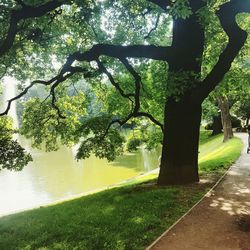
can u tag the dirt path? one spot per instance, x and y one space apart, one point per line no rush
221 221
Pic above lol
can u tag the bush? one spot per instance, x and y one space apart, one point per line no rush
236 123
133 143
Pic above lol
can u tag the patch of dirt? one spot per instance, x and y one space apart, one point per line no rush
221 221
243 222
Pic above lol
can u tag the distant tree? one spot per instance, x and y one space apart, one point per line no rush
223 103
242 106
231 88
211 114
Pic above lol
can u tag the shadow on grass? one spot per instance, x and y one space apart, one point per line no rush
120 218
128 217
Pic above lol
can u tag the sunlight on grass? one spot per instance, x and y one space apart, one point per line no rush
220 151
130 216
216 156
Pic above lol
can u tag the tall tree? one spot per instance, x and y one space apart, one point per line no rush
186 85
225 117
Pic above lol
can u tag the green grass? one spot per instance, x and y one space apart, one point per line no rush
128 217
215 156
205 136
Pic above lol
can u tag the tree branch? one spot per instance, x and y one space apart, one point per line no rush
61 77
24 92
134 115
53 100
237 37
137 83
151 118
24 13
103 69
154 28
120 51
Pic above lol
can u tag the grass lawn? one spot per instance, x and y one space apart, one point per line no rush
126 217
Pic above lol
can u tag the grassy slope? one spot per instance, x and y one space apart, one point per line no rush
216 156
128 217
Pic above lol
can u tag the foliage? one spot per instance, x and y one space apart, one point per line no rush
155 87
89 41
209 109
181 9
109 146
144 134
12 155
242 106
236 123
140 211
235 83
133 144
154 138
41 121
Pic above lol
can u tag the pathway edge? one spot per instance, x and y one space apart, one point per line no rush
196 204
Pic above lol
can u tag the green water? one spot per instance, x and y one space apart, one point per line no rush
57 175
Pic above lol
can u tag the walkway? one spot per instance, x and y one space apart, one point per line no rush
221 221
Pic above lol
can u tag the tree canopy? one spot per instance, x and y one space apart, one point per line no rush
147 59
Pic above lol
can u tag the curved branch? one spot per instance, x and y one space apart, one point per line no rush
54 100
61 77
103 69
24 92
134 115
137 83
151 118
120 122
237 38
154 28
24 13
120 51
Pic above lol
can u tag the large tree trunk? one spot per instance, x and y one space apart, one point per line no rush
179 161
225 118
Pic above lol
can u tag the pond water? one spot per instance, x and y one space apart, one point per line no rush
57 175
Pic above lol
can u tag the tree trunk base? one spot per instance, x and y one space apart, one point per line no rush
179 161
179 176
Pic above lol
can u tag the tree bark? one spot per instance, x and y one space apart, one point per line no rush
179 161
182 117
217 125
225 118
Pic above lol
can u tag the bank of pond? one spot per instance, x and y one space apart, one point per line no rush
53 176
128 216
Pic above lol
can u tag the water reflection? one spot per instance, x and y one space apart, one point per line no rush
56 175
